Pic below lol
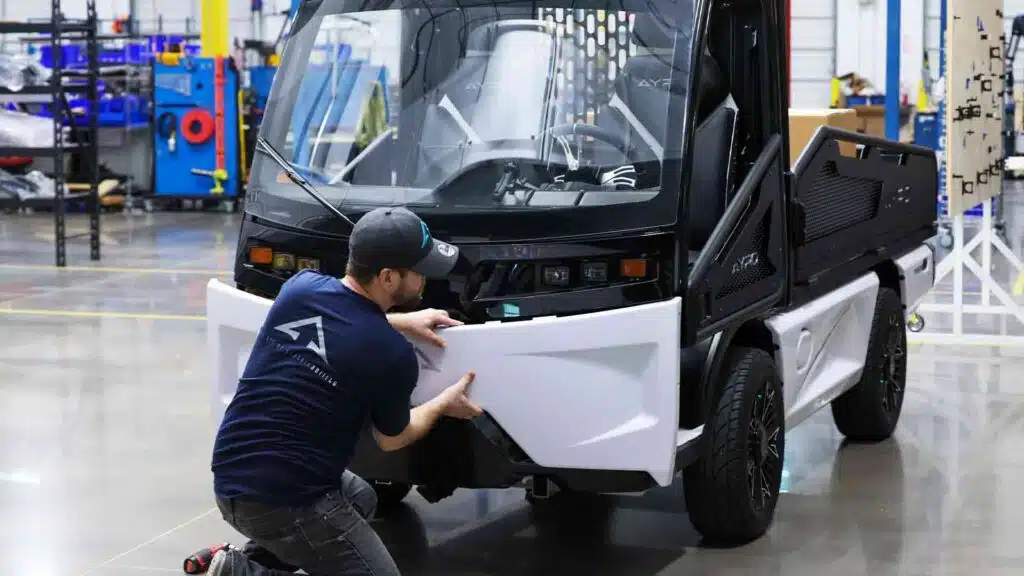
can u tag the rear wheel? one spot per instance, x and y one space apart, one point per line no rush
870 410
731 491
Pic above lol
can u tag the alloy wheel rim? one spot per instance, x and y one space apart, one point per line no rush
764 459
894 357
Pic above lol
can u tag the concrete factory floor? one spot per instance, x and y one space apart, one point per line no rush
105 443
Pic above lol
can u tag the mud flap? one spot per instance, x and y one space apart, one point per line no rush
593 391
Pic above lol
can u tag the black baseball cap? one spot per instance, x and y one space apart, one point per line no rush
398 239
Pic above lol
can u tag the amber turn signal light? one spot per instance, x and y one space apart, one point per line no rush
261 255
633 268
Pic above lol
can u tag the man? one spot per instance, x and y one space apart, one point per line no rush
328 362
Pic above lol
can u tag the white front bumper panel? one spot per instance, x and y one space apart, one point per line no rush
594 391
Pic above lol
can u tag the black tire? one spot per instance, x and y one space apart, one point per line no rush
732 489
870 410
390 494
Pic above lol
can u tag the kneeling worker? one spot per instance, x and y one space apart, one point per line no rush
329 360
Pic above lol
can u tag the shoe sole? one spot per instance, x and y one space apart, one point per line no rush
218 564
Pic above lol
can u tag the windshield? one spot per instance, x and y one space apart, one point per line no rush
456 106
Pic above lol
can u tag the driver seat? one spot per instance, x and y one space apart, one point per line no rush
646 88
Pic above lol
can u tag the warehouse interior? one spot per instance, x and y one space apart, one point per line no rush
113 244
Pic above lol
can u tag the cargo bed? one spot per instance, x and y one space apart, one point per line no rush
849 213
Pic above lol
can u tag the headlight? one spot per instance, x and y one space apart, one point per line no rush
284 261
556 275
595 272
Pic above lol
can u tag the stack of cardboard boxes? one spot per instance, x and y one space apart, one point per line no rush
855 106
803 123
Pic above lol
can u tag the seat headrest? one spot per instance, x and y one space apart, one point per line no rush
654 31
648 73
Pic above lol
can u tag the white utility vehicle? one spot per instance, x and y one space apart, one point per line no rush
649 288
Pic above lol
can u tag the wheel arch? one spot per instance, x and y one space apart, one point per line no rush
889 276
753 333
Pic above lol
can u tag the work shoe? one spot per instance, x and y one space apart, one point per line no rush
227 562
201 561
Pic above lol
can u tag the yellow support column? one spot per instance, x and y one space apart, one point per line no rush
214 29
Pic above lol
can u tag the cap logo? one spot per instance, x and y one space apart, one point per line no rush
426 234
446 250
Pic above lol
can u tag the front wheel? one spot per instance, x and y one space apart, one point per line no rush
731 491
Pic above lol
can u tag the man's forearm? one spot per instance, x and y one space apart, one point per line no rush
421 419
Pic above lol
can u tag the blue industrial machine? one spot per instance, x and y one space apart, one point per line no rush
197 132
261 78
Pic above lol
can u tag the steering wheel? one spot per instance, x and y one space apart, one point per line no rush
616 139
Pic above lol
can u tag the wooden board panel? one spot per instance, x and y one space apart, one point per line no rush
974 102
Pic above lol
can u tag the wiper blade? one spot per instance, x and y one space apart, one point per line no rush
263 146
359 158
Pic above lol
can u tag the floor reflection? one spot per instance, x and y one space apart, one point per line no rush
855 519
566 534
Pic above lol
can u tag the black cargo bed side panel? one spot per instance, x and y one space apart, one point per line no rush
850 213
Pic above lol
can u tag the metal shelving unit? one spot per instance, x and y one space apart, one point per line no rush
62 30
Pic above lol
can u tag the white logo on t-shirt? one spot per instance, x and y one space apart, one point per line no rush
318 345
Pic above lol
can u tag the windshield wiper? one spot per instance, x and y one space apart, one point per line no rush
359 158
263 146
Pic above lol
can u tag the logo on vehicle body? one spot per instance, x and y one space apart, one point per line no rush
315 344
745 262
654 83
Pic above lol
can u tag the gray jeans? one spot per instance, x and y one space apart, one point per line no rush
331 537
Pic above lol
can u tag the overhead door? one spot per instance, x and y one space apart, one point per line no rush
812 52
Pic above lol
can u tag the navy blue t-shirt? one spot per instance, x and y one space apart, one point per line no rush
325 360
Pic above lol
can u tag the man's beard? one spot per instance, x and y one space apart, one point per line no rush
408 300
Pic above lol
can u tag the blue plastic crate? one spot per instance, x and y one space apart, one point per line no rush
124 110
117 111
876 100
72 56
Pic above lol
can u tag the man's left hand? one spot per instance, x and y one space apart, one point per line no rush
422 323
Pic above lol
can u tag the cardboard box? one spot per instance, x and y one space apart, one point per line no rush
804 122
871 120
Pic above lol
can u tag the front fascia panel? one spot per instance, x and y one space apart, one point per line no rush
593 391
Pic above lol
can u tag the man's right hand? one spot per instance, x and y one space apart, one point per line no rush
456 403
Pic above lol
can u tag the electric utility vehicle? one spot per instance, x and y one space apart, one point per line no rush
650 287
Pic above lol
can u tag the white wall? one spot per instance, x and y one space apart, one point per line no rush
1011 8
861 46
812 52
